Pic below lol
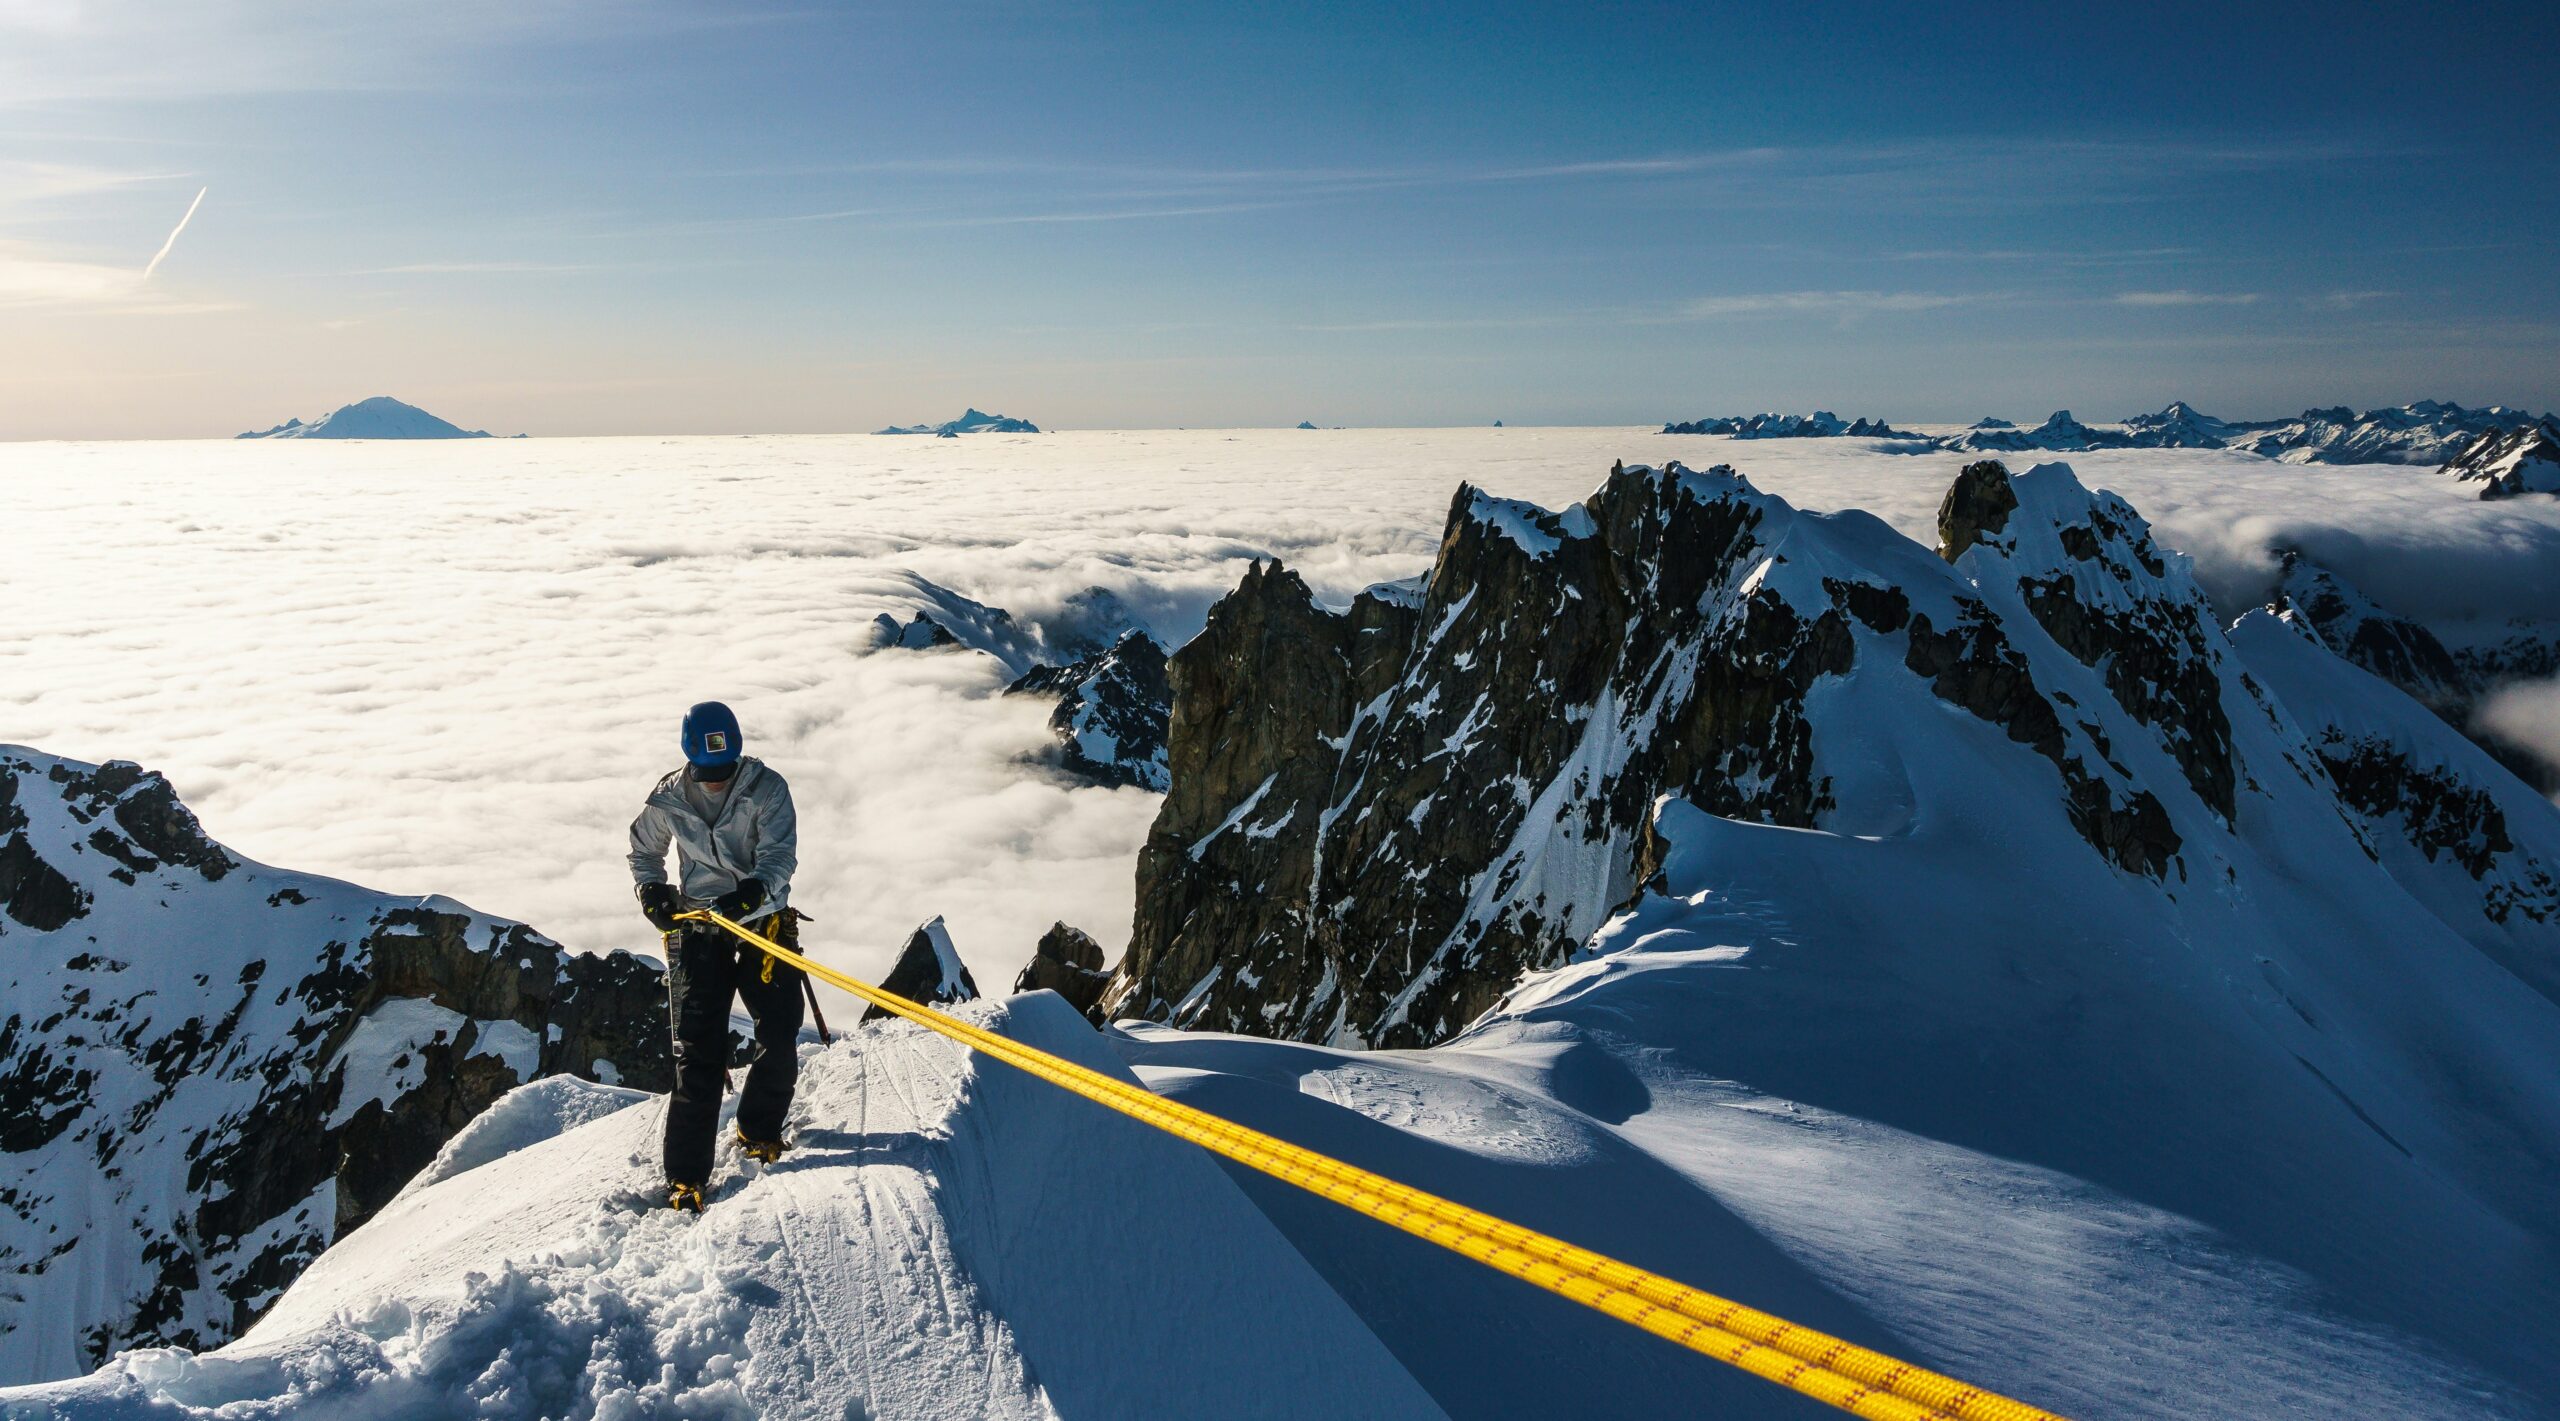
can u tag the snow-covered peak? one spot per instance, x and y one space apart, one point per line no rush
381 417
2179 425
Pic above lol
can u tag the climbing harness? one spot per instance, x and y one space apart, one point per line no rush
1826 1368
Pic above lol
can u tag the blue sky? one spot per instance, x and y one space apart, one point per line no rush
594 217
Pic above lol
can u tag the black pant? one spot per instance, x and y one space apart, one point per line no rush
705 965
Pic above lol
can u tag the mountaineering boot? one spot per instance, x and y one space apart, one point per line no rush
685 1196
761 1151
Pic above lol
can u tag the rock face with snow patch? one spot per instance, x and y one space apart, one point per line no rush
210 1069
2450 680
928 970
1381 818
1112 710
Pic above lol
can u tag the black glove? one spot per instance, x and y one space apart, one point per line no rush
741 900
658 903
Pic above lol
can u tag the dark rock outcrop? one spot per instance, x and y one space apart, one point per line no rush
212 1069
1112 712
1978 502
1068 962
928 970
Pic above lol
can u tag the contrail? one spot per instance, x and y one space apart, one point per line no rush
163 254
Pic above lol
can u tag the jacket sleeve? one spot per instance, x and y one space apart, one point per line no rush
777 836
650 836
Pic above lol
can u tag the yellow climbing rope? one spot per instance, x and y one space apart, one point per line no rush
1850 1377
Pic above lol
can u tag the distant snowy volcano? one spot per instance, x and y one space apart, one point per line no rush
381 417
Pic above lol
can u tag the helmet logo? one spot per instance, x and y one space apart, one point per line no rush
715 742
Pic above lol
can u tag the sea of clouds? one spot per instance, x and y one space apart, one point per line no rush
457 667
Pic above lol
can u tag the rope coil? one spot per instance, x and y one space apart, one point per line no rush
1855 1379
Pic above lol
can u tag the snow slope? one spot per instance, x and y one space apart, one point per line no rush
2173 1010
948 1241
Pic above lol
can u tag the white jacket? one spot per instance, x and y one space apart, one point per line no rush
757 835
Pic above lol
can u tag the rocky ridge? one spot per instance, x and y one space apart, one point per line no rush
210 1069
1381 818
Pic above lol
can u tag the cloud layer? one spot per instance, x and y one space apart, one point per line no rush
457 668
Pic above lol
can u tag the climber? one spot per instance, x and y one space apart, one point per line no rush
736 838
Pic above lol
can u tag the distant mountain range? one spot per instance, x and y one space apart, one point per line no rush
2426 432
381 417
975 421
1821 424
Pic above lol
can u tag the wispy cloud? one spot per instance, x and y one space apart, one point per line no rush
2346 300
1837 303
65 53
2187 298
2126 256
24 180
1126 214
162 255
1918 175
33 280
480 268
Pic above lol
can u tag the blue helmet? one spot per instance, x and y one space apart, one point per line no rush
711 735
